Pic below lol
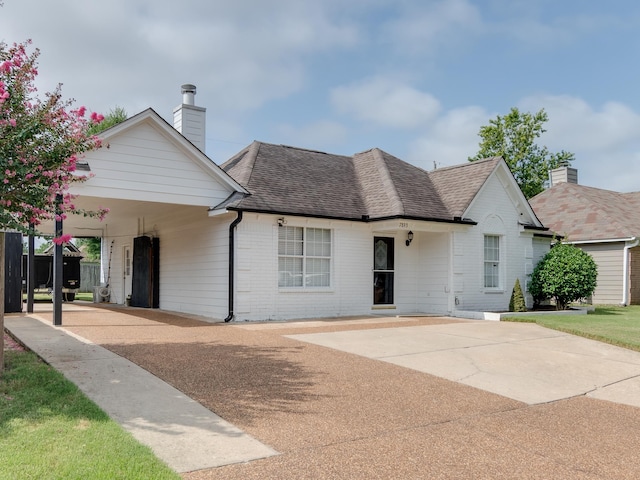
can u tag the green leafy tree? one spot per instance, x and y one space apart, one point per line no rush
565 274
43 247
92 247
517 302
513 138
115 116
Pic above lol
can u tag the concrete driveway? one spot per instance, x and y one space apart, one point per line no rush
375 398
521 361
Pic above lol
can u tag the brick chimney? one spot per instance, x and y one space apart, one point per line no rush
564 174
190 120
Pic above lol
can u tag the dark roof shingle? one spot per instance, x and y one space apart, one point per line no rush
371 184
459 184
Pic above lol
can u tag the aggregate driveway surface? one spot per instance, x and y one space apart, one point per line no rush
348 415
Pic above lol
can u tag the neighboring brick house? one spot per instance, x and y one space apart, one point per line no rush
280 232
603 223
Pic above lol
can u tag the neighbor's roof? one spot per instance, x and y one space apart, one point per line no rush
582 213
369 185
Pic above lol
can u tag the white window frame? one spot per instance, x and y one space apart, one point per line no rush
494 262
296 245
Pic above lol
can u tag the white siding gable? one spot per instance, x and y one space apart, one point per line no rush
147 161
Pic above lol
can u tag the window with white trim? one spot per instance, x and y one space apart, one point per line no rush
492 261
304 257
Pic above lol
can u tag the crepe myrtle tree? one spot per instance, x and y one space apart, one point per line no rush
41 140
565 274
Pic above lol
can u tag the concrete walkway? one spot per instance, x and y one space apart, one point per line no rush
180 431
521 361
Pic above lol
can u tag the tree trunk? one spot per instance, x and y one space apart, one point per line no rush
1 303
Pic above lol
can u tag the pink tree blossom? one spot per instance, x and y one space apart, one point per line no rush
40 143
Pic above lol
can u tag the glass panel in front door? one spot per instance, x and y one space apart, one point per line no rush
383 270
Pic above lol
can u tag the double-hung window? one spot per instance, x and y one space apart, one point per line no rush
304 257
492 261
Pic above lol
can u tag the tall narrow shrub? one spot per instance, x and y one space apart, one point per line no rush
517 303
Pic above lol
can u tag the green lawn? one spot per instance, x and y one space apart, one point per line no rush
47 297
616 325
50 430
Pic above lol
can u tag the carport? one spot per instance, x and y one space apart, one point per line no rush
160 189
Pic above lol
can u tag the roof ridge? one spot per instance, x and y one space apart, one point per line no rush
252 152
303 149
461 165
387 181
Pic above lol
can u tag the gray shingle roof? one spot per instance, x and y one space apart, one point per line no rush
459 184
371 184
584 213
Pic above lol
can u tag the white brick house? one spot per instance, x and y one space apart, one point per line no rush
280 232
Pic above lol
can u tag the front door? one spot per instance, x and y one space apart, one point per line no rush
383 270
126 272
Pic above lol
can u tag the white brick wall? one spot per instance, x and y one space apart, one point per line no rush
260 298
444 263
495 213
421 272
433 273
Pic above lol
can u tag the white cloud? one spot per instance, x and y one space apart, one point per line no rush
386 102
545 28
605 140
247 53
323 133
452 139
431 26
575 125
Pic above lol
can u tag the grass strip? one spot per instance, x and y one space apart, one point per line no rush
50 430
615 325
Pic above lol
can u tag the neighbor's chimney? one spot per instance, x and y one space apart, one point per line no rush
564 174
188 119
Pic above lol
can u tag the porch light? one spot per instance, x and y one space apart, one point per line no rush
409 238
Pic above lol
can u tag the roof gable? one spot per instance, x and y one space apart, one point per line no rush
145 159
582 213
149 117
458 185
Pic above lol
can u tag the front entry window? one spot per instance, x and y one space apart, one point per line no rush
383 270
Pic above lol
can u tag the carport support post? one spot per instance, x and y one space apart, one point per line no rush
57 266
31 271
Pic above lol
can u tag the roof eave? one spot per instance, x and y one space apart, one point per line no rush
363 218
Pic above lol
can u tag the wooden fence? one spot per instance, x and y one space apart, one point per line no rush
89 276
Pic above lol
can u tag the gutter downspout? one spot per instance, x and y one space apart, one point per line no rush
625 269
232 263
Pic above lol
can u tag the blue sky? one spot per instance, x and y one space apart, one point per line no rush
416 78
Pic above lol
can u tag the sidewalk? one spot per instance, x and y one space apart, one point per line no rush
180 431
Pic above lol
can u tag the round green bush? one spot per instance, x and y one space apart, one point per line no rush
565 274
